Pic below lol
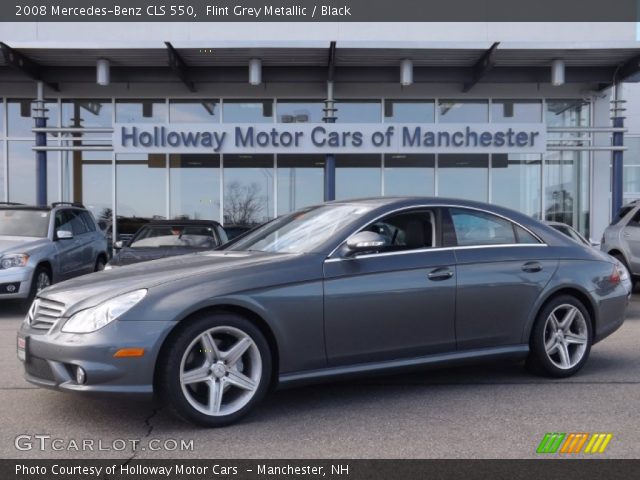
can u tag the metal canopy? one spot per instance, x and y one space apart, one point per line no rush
464 64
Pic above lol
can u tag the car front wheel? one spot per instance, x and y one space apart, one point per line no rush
561 338
41 280
216 369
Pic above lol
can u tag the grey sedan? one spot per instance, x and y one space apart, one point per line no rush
328 292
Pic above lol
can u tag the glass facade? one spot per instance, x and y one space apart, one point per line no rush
300 111
248 189
358 176
194 186
254 188
194 111
409 175
464 176
247 111
300 181
631 175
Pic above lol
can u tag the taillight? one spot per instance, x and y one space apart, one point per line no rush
615 275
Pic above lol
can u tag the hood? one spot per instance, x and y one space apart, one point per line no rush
9 244
90 290
129 256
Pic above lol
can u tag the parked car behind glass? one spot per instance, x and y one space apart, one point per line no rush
43 245
168 238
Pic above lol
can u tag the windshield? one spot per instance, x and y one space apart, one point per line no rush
175 236
24 223
302 231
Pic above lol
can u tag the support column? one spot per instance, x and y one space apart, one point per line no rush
41 141
617 159
330 159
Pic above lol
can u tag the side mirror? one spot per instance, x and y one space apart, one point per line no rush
365 242
118 245
64 235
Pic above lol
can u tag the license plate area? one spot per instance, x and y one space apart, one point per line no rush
23 348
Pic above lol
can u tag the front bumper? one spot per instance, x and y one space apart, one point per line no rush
52 358
19 278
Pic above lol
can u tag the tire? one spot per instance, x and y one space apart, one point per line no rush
41 279
219 387
558 350
100 264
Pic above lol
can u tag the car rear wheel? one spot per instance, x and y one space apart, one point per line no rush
216 370
561 338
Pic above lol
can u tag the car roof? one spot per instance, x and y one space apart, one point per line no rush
181 223
19 206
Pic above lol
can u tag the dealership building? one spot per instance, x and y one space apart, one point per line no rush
241 122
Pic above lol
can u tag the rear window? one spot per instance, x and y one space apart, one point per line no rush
169 236
24 223
622 213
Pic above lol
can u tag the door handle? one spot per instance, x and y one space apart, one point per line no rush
440 274
532 267
626 234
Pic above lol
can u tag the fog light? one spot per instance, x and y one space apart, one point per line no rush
81 376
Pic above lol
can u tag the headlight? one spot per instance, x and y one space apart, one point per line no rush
16 260
94 318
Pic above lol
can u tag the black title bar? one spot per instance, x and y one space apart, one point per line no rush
319 11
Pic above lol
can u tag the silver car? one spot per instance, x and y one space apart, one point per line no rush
44 245
621 239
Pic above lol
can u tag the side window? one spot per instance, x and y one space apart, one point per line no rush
222 235
77 224
621 214
635 220
64 221
525 237
479 228
406 231
87 219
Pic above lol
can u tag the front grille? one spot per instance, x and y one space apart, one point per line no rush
45 313
39 368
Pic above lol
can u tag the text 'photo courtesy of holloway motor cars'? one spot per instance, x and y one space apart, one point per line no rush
329 292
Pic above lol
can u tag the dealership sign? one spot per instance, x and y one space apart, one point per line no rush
329 138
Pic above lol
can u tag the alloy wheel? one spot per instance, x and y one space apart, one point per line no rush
42 281
220 371
566 336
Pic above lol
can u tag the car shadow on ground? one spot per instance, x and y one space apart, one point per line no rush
10 309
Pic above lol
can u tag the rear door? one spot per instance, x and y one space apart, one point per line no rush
394 303
501 270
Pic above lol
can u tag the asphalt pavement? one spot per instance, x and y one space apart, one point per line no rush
496 410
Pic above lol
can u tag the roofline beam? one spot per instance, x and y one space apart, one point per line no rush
179 67
318 74
20 62
482 67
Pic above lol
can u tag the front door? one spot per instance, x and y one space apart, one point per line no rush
394 303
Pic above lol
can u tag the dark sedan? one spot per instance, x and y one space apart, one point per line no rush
168 238
331 291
